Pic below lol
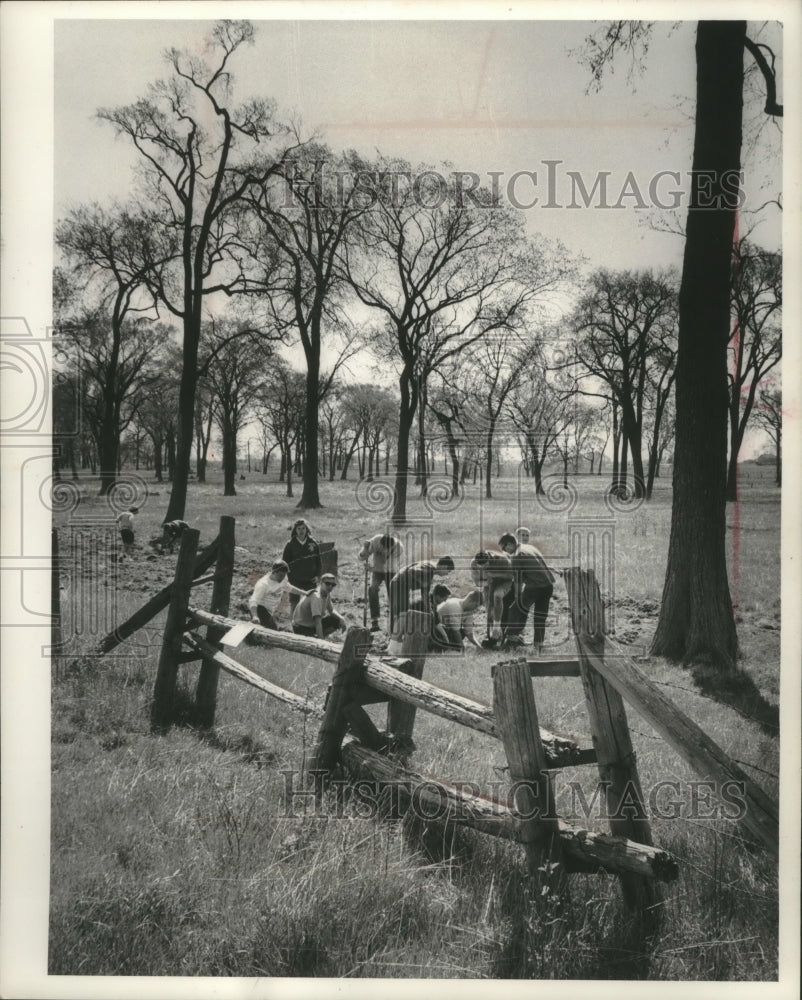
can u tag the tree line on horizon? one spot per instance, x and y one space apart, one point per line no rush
233 205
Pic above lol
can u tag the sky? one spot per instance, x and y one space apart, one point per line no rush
482 95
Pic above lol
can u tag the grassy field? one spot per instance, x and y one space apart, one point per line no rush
172 855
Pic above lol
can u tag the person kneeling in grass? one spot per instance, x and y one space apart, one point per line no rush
268 592
314 614
455 619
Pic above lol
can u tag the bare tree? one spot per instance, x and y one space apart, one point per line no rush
235 371
194 145
625 331
541 414
696 617
306 215
109 253
755 341
280 405
769 414
444 271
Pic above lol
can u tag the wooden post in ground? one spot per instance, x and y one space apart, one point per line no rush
618 771
206 692
332 729
163 708
414 628
156 604
533 797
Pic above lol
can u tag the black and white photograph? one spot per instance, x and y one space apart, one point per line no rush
401 483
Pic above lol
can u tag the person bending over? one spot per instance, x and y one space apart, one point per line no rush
267 594
385 553
455 618
415 576
492 572
314 614
533 585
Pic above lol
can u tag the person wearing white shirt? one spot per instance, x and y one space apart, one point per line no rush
455 618
125 522
268 592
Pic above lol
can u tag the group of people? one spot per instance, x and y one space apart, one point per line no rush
509 583
171 532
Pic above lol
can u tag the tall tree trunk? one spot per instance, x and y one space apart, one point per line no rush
489 460
735 446
179 474
310 497
423 471
288 467
406 417
778 465
696 618
229 460
616 448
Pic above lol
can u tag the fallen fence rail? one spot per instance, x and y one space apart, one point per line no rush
583 850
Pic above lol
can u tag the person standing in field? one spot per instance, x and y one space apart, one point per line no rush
125 522
314 614
302 555
267 594
455 618
492 572
415 576
385 553
533 585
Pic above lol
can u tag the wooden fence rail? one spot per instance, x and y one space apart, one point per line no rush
362 677
582 850
761 815
388 677
159 602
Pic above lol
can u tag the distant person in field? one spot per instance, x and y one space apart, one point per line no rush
385 553
415 576
171 533
533 585
125 522
302 555
492 571
267 594
455 617
314 614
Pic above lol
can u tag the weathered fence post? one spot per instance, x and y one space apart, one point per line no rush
414 628
334 724
532 795
163 709
206 691
618 771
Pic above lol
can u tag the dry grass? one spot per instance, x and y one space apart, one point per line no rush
173 855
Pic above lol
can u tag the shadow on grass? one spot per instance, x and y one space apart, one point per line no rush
549 937
739 692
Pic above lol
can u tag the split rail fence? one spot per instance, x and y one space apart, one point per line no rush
348 737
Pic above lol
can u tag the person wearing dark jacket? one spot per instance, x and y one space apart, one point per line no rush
302 555
533 587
